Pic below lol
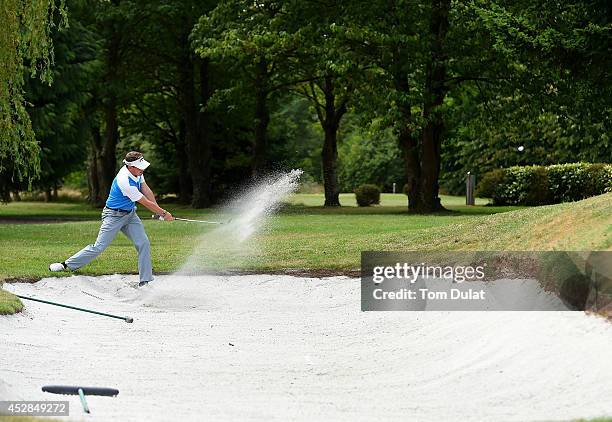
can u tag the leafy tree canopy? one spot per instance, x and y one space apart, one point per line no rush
25 48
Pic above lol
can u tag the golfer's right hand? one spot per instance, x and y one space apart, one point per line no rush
168 216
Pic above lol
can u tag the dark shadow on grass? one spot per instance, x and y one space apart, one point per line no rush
35 219
452 211
478 210
88 213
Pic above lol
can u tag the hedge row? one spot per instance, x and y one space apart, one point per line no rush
538 185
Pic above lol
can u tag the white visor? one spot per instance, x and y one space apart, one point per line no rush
141 163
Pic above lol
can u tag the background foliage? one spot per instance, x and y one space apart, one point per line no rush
217 93
542 185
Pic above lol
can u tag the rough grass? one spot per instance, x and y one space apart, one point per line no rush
9 303
582 225
594 420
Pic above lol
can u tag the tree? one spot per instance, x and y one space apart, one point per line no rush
255 40
555 101
164 37
426 54
332 72
406 44
331 104
114 23
272 46
58 111
25 47
295 137
369 156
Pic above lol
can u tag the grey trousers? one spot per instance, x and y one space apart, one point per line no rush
112 222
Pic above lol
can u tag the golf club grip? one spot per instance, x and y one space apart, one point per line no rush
74 390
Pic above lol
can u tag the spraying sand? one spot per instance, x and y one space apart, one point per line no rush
248 213
282 348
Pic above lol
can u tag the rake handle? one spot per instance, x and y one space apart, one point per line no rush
126 319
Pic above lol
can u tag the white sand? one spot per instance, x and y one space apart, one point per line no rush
302 350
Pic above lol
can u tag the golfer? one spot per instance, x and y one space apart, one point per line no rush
119 213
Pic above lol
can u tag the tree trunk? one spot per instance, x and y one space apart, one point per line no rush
185 185
407 142
435 91
410 154
205 147
262 119
106 148
107 157
329 153
188 109
196 137
93 180
431 141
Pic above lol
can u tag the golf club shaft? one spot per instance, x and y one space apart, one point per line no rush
126 319
158 217
198 221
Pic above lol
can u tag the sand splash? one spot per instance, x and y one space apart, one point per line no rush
232 245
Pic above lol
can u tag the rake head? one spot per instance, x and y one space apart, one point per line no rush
74 390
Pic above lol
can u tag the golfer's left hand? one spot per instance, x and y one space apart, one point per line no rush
168 216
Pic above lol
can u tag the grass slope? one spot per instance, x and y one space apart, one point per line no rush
9 303
582 225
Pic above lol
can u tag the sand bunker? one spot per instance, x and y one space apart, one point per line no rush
283 348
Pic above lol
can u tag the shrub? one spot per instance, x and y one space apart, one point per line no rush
599 178
489 186
527 186
537 185
569 182
367 195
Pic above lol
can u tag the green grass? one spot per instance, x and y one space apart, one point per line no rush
594 420
9 303
23 210
303 237
298 237
390 203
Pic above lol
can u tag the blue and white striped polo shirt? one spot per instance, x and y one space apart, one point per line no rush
125 190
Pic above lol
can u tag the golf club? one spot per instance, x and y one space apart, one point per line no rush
159 217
